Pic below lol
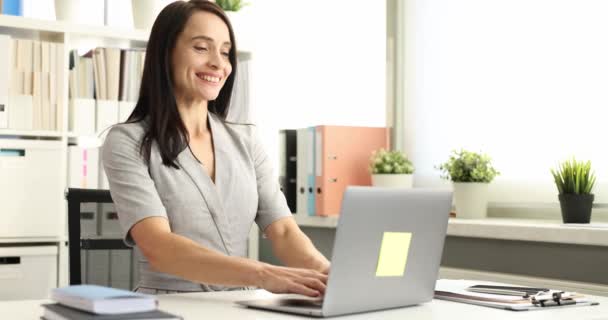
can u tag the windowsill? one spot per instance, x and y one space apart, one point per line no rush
553 231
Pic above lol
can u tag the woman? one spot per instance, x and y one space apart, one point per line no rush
187 184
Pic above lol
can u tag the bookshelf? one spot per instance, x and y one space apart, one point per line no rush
71 37
49 28
30 133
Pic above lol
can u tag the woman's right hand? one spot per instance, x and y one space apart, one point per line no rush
292 280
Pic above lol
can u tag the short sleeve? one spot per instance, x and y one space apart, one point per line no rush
131 186
272 204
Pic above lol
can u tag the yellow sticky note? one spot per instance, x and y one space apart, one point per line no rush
393 254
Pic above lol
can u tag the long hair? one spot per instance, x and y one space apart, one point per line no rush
157 104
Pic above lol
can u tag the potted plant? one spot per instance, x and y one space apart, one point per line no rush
470 174
574 181
145 12
69 10
231 5
242 21
391 169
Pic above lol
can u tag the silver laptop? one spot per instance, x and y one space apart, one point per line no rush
386 253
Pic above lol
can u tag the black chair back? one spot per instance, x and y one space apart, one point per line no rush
79 243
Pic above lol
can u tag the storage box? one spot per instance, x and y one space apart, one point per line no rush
110 227
120 269
21 112
88 220
31 185
83 167
82 116
97 267
125 108
27 272
107 115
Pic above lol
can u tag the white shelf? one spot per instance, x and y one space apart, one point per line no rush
59 27
33 240
304 220
30 133
530 230
503 229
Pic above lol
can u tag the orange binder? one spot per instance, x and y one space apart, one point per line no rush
342 159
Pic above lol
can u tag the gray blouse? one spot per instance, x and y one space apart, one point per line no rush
217 216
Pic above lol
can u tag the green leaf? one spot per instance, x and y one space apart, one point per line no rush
574 177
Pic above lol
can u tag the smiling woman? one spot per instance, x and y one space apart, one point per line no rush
188 184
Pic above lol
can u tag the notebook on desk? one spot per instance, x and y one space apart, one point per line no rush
505 296
388 242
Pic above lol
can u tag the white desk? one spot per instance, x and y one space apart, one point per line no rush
220 305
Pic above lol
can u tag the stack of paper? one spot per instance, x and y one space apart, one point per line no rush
456 290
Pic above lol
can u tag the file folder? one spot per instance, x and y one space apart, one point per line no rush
342 155
310 167
289 186
288 164
302 171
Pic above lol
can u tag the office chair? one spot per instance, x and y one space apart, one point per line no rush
86 207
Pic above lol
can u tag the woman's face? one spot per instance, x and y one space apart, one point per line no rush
200 63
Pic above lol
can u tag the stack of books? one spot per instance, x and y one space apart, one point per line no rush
91 302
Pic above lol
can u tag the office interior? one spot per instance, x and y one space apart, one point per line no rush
521 81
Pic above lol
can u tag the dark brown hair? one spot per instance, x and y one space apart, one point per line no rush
156 103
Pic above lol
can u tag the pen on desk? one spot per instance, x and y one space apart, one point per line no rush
524 292
506 292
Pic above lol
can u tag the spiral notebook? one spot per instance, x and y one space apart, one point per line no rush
458 291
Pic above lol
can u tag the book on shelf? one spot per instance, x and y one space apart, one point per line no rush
30 77
59 312
103 300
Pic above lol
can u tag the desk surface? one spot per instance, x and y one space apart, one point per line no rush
220 305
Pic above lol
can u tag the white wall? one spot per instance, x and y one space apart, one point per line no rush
523 80
317 62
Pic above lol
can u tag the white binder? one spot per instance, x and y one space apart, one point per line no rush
107 115
125 108
82 116
302 175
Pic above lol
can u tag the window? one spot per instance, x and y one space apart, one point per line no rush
524 81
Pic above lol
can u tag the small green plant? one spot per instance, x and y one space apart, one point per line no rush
467 166
390 162
231 5
574 177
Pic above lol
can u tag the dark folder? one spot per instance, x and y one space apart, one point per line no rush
288 173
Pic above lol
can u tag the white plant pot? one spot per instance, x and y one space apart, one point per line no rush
69 10
393 180
471 199
145 12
